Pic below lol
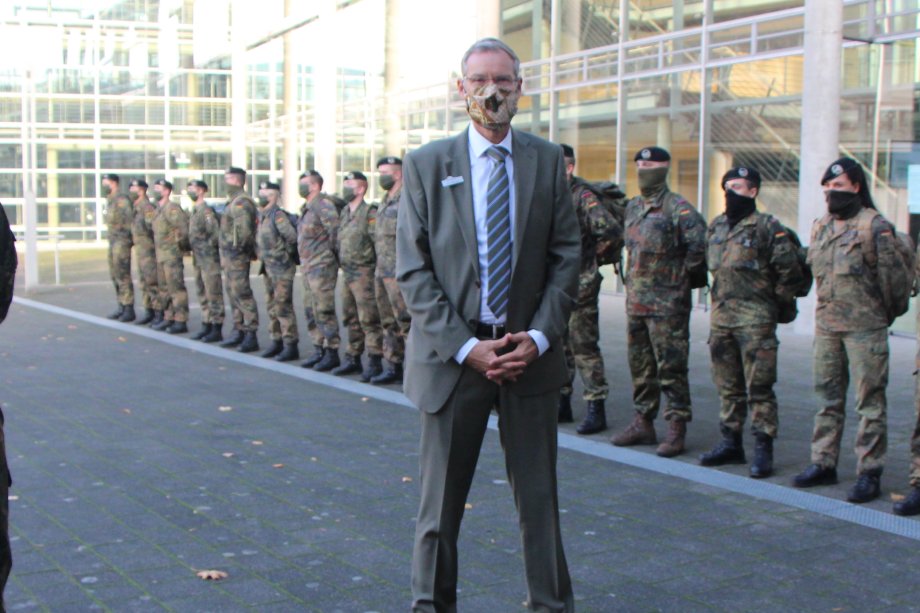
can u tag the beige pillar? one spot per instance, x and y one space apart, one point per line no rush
489 18
53 179
325 92
393 133
290 163
238 86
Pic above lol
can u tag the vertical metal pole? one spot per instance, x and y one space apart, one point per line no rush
555 19
536 48
619 174
702 182
238 75
29 208
290 115
877 115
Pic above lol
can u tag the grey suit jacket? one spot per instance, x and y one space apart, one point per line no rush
437 263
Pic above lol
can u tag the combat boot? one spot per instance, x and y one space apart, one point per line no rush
146 318
215 335
350 366
814 475
128 314
730 450
234 340
117 312
595 420
330 361
289 354
250 343
274 349
564 407
673 443
157 318
314 358
910 505
374 368
762 466
868 487
392 374
205 329
164 323
640 431
177 327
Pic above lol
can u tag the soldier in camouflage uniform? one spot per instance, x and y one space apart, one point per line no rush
276 239
204 230
358 261
237 251
317 239
170 231
666 243
911 503
394 316
144 250
755 269
599 231
851 329
119 218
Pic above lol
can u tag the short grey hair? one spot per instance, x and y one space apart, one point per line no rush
490 45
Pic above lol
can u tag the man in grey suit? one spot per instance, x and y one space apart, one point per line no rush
488 252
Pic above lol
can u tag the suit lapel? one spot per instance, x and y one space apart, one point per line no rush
458 165
525 176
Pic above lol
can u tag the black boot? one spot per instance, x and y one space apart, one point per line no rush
164 323
205 329
762 466
289 354
595 420
392 374
564 406
146 318
730 450
234 340
177 327
910 505
274 349
128 314
117 312
250 343
816 475
350 366
329 362
215 335
314 358
157 318
868 487
374 368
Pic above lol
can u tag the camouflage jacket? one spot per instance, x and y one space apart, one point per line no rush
849 288
142 228
203 231
356 236
238 228
274 236
665 243
754 267
385 235
598 226
170 231
317 233
119 217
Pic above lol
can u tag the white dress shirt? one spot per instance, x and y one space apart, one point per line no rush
481 168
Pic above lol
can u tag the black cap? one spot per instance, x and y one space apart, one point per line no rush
234 170
139 183
164 183
111 176
390 159
269 185
310 173
838 168
567 151
653 154
356 174
742 172
197 183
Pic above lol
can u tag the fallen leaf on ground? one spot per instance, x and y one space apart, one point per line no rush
256 442
896 497
313 459
71 327
407 479
227 455
224 409
277 465
363 398
212 575
467 506
126 411
12 498
122 339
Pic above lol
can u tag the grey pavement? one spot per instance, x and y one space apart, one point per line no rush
139 459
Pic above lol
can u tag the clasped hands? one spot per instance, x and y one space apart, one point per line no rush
486 357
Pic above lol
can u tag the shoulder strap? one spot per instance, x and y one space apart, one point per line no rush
866 239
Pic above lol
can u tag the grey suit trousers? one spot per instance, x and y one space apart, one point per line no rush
450 443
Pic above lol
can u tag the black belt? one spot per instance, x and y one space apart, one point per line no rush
489 331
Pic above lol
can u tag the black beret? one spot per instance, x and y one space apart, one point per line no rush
139 183
357 175
390 159
197 183
742 172
234 170
164 183
310 173
269 185
653 154
111 176
567 151
838 168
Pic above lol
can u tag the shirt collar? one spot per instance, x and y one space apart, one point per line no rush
479 143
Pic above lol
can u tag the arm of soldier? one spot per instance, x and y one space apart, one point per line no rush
784 262
285 228
887 258
244 225
179 220
602 225
372 221
693 236
329 218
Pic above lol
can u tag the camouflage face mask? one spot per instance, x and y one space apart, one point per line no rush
492 107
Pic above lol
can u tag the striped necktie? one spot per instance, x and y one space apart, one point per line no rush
498 228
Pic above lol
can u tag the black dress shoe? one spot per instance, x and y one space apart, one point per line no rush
816 475
274 349
730 450
564 407
868 487
205 329
250 343
177 327
392 374
235 339
146 318
910 505
374 368
762 466
315 357
128 314
289 353
329 362
595 420
215 335
351 366
117 312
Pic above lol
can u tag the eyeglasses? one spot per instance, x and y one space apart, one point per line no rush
504 82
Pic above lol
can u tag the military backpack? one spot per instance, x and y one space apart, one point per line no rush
788 311
8 263
614 200
292 250
901 285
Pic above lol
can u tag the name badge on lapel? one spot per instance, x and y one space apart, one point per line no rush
451 181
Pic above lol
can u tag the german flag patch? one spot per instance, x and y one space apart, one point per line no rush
685 212
779 234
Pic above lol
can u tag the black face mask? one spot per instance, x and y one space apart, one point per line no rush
387 182
843 205
652 181
737 207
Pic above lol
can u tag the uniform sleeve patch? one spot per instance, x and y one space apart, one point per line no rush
885 233
779 234
685 212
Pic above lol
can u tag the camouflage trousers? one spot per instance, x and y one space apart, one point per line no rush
6 555
744 372
239 292
658 349
915 438
120 271
319 285
316 336
581 349
359 311
394 317
279 294
151 295
173 295
210 289
835 354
